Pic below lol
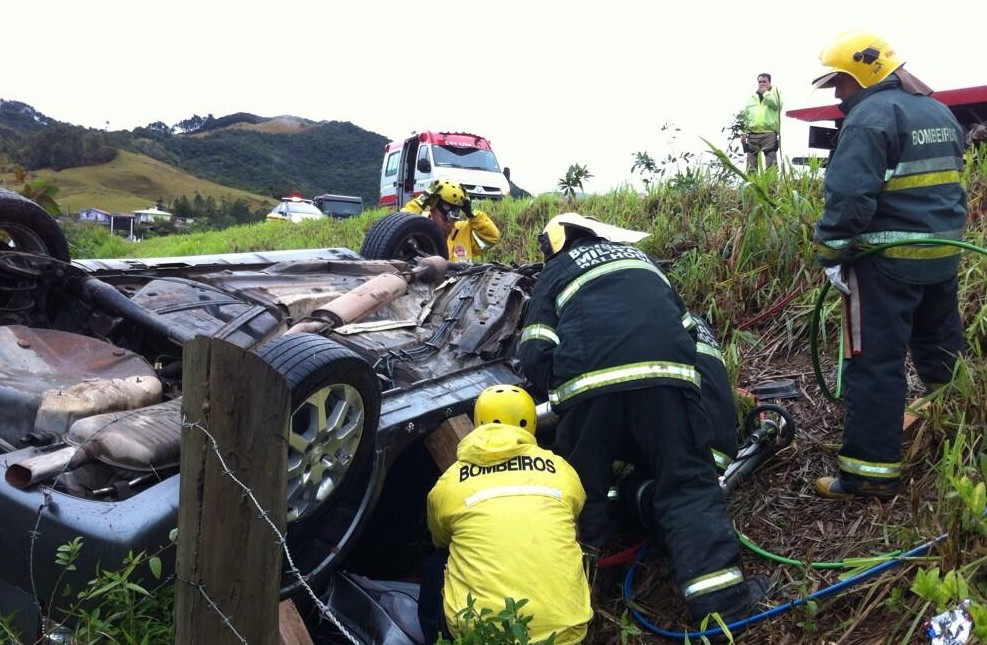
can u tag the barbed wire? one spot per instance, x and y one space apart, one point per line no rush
290 569
282 541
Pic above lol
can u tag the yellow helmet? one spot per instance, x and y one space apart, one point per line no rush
449 192
507 404
553 237
865 56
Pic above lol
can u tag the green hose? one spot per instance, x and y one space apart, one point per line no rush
849 563
814 321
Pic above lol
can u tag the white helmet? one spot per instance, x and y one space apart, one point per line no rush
553 237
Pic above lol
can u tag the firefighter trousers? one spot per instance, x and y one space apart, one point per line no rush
664 431
893 318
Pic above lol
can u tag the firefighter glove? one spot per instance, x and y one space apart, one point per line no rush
835 275
429 192
468 208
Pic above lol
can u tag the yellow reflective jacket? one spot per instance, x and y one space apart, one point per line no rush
762 113
468 237
506 511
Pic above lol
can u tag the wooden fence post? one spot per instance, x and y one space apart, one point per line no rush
229 558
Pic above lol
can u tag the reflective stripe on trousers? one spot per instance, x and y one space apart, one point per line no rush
714 581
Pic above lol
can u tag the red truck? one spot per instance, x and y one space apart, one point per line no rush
969 104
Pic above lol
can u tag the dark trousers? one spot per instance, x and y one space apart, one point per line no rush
431 616
895 316
664 431
758 143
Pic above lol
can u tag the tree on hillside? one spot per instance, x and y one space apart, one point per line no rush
65 146
154 130
195 123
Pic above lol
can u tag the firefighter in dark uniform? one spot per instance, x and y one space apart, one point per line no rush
894 176
605 340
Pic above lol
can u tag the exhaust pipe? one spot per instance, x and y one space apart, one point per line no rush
358 303
149 442
59 409
34 470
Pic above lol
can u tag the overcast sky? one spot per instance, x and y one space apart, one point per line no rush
549 83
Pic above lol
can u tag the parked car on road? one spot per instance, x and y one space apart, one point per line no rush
294 210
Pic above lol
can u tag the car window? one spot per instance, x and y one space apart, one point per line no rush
340 207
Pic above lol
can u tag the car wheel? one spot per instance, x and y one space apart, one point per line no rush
403 236
25 226
332 471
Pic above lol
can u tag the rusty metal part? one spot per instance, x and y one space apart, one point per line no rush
61 407
369 297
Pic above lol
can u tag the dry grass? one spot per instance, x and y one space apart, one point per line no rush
131 182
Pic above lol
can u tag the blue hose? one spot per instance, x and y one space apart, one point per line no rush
774 611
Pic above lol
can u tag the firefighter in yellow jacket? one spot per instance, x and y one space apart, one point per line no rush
467 232
503 521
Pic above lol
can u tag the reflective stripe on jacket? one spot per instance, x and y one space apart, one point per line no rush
602 318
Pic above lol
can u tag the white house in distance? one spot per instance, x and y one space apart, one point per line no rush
152 215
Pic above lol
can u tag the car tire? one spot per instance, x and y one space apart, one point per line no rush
332 466
25 226
403 236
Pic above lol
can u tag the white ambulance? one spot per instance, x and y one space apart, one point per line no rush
411 165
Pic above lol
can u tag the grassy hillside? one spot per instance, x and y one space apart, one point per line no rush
132 182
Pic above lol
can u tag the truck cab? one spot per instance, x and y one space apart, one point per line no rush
411 165
968 104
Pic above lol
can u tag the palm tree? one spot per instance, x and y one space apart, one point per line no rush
573 180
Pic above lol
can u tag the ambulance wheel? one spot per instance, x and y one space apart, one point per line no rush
403 236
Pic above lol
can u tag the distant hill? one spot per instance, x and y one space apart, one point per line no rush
276 156
265 157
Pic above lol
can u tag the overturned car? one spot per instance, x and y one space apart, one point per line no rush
376 354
